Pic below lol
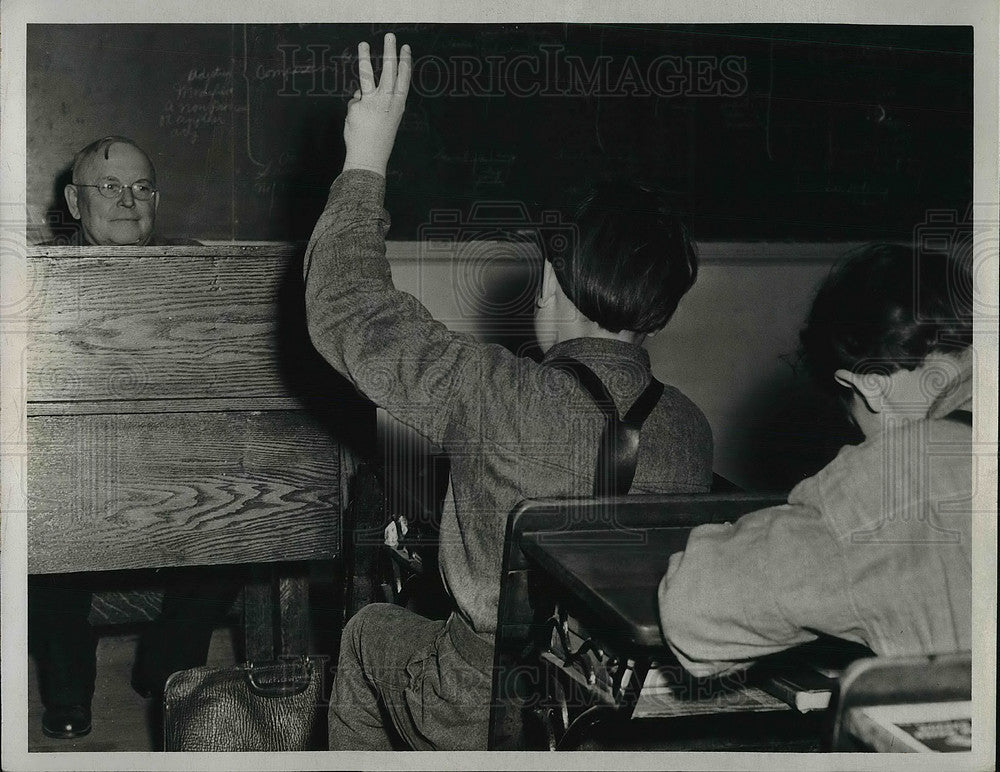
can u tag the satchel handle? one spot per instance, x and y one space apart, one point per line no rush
279 678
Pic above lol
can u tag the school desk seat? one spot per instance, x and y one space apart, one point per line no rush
886 703
578 624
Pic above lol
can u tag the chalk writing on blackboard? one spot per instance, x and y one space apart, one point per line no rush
762 132
310 70
202 100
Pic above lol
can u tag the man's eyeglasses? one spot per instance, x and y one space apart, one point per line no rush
142 190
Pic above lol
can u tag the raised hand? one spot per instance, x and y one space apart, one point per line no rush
373 115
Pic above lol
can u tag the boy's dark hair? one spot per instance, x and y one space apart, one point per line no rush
885 308
632 262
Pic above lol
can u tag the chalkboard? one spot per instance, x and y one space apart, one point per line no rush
813 132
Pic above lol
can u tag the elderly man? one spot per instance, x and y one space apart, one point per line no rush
114 196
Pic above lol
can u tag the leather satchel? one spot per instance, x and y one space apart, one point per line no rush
264 706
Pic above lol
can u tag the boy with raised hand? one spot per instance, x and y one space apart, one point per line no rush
514 428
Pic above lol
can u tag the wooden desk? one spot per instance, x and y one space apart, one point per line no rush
937 727
614 574
607 579
908 703
178 415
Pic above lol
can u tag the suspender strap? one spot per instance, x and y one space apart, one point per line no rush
618 452
589 380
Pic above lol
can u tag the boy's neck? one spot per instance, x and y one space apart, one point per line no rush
589 329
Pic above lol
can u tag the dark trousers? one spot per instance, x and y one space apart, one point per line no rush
406 682
65 644
62 639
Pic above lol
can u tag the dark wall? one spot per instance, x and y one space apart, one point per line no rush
816 132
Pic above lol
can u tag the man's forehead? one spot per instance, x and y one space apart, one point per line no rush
120 160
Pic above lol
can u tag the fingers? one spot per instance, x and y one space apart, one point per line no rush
395 79
365 67
387 83
403 77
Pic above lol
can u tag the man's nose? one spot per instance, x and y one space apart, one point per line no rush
127 198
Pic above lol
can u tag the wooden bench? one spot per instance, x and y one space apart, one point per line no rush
178 415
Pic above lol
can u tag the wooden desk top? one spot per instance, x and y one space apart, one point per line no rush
613 573
936 727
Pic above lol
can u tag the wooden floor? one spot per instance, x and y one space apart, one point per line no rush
122 719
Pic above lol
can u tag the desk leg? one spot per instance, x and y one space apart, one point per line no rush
627 686
364 519
293 611
258 615
276 619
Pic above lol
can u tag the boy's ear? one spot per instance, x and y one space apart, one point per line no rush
870 387
547 290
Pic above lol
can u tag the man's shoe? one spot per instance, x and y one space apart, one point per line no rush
66 722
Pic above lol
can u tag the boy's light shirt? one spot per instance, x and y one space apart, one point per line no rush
875 549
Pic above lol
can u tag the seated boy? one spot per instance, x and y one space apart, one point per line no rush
875 548
514 428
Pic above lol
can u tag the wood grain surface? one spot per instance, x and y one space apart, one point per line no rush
260 614
293 610
147 490
179 323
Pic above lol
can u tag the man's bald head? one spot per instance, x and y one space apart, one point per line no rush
101 149
118 220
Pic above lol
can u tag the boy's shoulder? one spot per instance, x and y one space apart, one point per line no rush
680 410
898 475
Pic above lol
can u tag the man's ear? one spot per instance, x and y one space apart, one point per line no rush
870 387
70 193
547 290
